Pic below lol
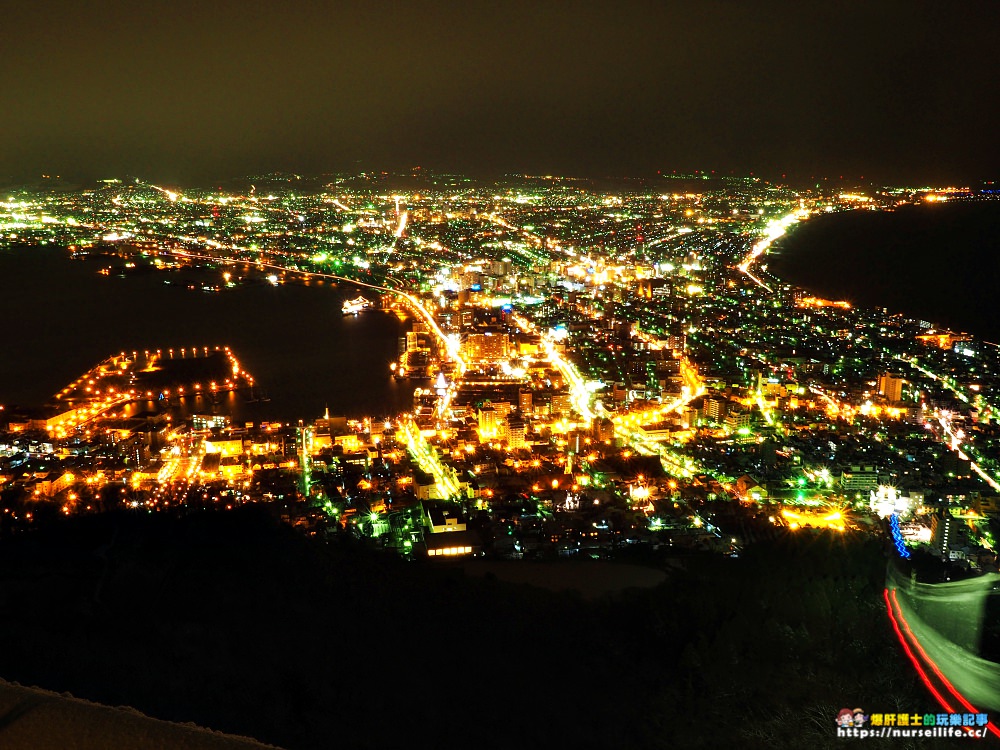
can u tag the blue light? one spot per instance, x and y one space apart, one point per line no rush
897 537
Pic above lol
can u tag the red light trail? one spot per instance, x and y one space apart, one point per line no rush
905 642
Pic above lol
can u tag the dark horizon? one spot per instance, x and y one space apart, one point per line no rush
422 178
895 93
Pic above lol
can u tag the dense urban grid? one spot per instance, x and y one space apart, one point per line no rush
600 370
598 367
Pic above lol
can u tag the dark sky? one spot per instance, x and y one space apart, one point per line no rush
184 91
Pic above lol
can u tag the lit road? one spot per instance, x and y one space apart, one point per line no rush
427 459
693 387
965 451
177 476
85 414
581 390
178 469
398 232
629 427
774 229
946 382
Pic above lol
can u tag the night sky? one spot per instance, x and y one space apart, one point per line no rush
185 91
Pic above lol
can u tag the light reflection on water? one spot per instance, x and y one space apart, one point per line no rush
63 318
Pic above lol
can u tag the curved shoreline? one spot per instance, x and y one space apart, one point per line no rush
934 263
279 332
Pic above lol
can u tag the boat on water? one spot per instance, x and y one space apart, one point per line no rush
356 305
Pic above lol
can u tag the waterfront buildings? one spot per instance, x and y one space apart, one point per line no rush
595 367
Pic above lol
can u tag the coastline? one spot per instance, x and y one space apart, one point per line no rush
935 263
279 332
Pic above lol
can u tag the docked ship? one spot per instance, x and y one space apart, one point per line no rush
356 305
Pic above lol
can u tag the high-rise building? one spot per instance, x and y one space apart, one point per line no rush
604 430
942 534
859 478
488 421
738 420
689 417
890 386
514 431
486 346
502 408
561 404
524 401
715 408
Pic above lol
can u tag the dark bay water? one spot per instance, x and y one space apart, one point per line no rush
60 317
935 262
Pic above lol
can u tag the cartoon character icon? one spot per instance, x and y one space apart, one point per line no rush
845 718
859 718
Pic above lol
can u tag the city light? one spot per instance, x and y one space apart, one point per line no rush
599 371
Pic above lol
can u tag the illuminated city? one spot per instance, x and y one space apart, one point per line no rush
586 354
592 371
500 375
